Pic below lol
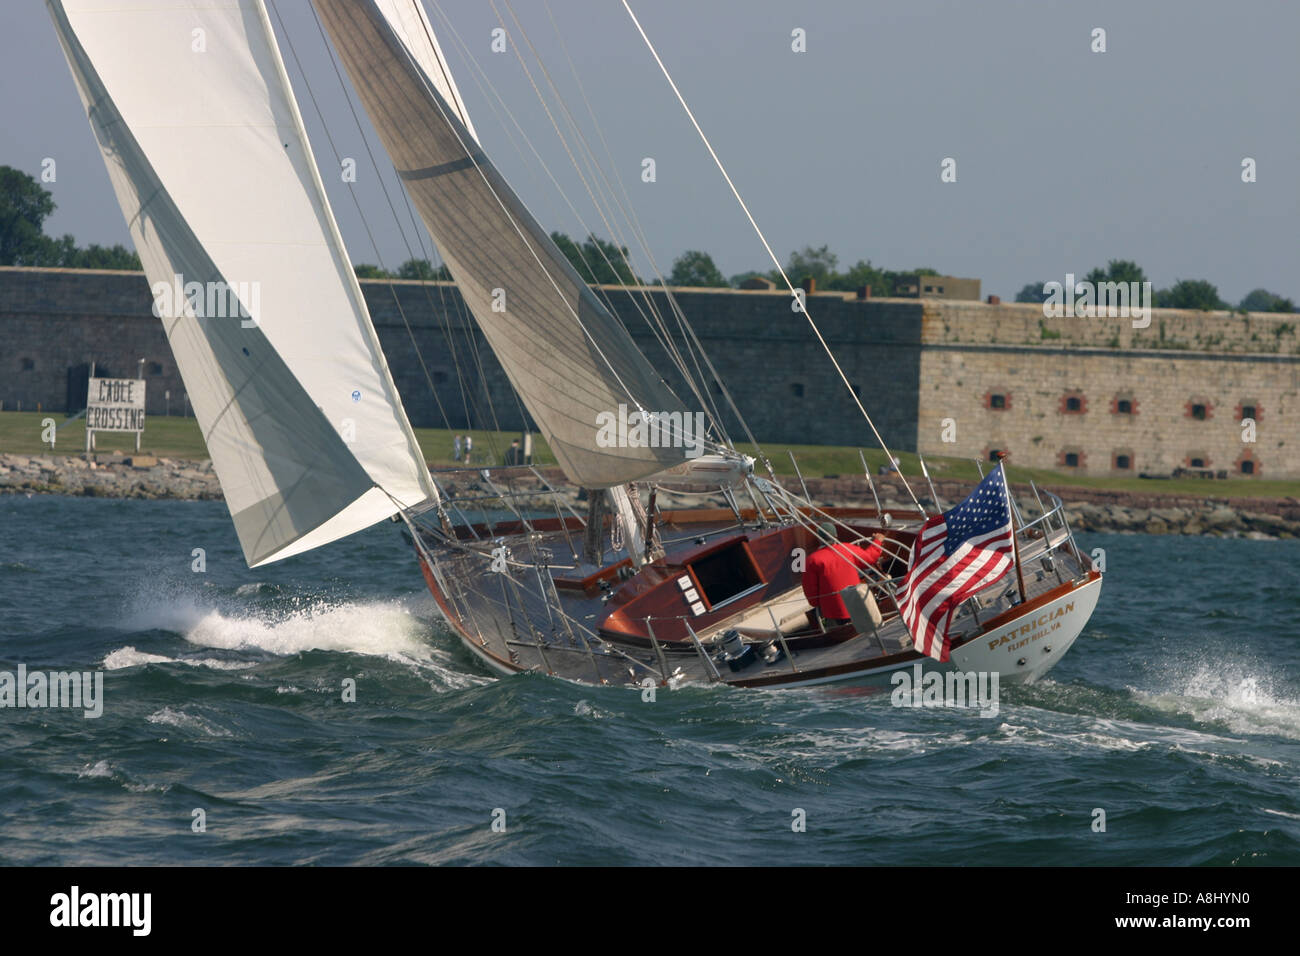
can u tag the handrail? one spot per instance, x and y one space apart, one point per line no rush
1055 509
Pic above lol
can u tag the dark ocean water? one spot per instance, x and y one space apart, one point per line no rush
1177 712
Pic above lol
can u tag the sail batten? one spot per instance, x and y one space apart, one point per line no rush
568 357
200 133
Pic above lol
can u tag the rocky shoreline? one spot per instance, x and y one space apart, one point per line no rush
1089 509
111 476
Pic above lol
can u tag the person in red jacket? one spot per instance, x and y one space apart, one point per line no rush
834 567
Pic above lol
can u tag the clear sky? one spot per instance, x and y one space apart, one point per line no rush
1065 157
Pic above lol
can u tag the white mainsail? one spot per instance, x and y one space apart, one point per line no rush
192 109
569 359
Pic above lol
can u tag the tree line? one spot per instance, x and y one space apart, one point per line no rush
25 205
1183 294
601 262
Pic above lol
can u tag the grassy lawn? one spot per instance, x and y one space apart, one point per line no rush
826 460
20 432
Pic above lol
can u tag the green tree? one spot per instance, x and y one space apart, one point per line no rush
859 274
598 261
54 253
695 268
1033 292
818 264
1190 294
365 270
24 206
1261 300
95 256
1118 270
424 270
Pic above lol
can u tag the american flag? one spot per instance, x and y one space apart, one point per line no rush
956 554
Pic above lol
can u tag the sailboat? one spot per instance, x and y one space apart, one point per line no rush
210 161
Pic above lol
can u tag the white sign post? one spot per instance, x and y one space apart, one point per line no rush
114 405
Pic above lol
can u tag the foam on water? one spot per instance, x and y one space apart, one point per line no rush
1153 713
1229 695
377 628
103 770
390 629
130 657
179 719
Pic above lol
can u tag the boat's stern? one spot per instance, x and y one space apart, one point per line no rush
1027 641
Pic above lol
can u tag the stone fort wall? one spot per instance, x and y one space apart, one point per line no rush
915 363
1098 396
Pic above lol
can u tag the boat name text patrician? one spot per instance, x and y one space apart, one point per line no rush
1038 626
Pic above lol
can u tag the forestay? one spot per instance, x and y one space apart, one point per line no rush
569 359
208 157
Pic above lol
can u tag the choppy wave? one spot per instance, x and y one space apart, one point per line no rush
130 657
252 631
181 720
224 691
1230 696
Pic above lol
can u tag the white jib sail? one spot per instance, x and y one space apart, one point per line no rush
192 109
570 360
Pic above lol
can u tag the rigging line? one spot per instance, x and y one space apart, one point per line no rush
445 313
467 325
468 328
406 242
735 192
598 202
360 212
662 333
597 289
697 384
524 418
442 311
494 98
460 305
475 159
462 310
470 154
627 210
688 330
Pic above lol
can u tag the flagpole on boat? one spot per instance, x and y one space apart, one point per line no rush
1015 547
